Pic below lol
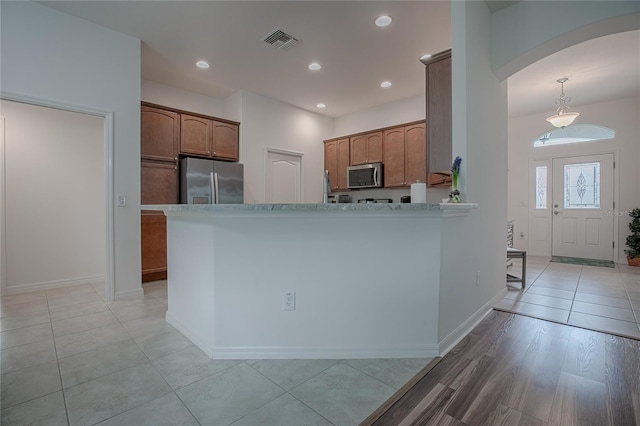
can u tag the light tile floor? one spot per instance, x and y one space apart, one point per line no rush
67 357
600 299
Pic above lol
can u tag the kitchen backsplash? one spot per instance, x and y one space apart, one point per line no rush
434 195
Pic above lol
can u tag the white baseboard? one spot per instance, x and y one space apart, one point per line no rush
290 352
463 329
138 292
25 288
196 340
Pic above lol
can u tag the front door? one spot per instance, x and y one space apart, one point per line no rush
582 196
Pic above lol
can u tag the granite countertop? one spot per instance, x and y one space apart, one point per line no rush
358 207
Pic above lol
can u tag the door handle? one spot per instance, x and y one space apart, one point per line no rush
556 212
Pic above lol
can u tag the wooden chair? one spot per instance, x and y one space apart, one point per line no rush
513 253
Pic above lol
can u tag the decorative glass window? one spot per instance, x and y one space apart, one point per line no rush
574 133
582 186
541 187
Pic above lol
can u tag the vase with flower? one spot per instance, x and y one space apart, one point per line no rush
454 195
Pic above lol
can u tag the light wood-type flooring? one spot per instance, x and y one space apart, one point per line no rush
518 370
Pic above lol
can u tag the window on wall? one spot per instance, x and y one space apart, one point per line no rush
582 186
541 187
573 134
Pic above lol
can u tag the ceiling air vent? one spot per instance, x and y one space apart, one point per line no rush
281 40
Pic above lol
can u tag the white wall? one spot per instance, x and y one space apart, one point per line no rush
53 56
621 116
169 96
55 198
531 30
270 123
389 114
480 138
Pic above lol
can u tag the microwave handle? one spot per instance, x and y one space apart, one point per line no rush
375 176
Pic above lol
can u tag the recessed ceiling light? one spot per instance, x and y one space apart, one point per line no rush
321 105
314 66
425 56
385 84
202 64
383 21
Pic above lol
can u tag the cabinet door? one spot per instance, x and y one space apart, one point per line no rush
159 132
438 96
225 141
374 147
394 157
331 162
343 162
358 150
415 166
195 135
158 183
153 238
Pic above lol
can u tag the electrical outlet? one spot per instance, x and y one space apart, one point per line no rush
289 301
478 277
122 200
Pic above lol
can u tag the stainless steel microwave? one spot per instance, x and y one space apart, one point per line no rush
365 176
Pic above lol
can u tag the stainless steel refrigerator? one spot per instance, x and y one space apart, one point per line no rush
211 182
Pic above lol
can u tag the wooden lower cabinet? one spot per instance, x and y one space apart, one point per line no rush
159 183
153 228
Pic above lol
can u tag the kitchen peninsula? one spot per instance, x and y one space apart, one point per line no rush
363 279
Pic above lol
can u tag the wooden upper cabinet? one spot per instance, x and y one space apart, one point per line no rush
374 148
343 162
415 166
438 95
366 149
158 183
195 135
358 150
336 160
225 140
394 157
159 134
208 138
405 155
331 162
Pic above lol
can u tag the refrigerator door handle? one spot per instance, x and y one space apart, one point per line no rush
212 183
215 181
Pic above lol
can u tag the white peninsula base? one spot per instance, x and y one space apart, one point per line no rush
366 278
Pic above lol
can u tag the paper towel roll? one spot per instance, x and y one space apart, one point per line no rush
418 192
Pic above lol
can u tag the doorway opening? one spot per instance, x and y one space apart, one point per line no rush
56 200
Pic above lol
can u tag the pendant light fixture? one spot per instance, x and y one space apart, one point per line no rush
564 116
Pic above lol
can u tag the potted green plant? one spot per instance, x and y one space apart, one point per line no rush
633 240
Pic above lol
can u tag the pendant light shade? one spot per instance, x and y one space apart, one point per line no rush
563 116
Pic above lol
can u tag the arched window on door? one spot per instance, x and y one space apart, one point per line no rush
574 134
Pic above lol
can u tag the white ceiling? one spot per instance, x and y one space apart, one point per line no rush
355 54
599 70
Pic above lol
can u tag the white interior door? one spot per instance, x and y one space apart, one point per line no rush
582 197
283 177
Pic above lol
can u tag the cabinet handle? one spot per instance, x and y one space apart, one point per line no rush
214 153
208 152
175 158
175 168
